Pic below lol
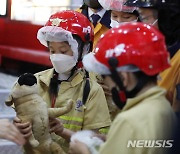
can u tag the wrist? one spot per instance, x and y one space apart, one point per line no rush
60 132
66 134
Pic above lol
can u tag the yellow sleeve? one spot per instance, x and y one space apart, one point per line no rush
171 77
121 131
96 113
117 138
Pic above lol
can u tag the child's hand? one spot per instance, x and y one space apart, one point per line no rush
77 147
56 126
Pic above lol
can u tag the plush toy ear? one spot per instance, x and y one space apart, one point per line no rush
27 79
9 101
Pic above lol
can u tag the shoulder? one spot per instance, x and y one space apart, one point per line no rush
93 78
148 114
44 76
45 72
95 87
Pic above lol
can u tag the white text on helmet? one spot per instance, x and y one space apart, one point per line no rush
87 30
117 51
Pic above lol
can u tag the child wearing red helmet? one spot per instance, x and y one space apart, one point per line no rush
69 36
163 14
120 13
130 64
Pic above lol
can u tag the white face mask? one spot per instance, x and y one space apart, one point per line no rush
115 23
62 63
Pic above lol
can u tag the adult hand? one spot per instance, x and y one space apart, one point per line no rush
10 132
24 128
77 147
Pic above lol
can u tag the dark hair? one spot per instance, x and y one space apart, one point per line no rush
145 78
135 12
84 6
81 45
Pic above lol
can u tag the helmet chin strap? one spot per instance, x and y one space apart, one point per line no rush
142 81
120 96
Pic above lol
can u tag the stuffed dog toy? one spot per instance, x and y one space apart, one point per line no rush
30 107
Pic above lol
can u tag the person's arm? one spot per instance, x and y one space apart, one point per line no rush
10 132
66 134
57 127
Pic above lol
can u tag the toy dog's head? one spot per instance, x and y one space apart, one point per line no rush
26 85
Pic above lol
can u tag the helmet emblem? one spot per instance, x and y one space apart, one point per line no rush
57 21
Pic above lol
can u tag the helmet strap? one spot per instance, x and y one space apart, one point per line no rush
53 88
119 96
142 81
80 52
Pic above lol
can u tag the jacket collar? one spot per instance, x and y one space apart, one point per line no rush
153 92
106 19
46 76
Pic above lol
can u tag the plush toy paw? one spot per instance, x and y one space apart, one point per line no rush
69 104
27 79
34 143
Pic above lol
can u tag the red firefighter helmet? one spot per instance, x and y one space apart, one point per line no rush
74 22
61 27
117 5
131 44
